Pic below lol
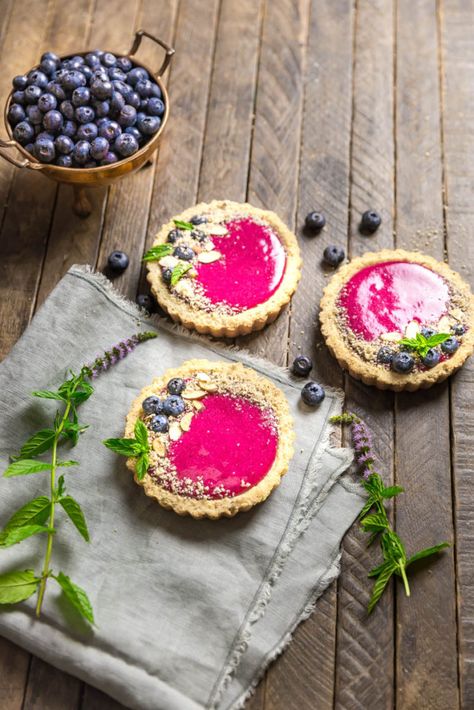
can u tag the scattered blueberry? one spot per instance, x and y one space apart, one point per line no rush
370 222
385 355
118 261
159 423
459 329
38 78
173 236
428 332
32 94
302 366
198 219
183 252
152 405
450 346
176 385
108 59
145 301
137 74
333 255
173 405
81 96
312 394
166 275
197 234
403 363
315 221
127 116
148 124
84 114
431 358
110 130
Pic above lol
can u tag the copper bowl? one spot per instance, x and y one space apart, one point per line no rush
81 178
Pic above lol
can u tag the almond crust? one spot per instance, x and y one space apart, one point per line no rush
371 373
215 324
228 507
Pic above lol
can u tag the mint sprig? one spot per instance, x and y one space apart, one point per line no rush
373 516
179 271
158 252
183 225
421 345
136 447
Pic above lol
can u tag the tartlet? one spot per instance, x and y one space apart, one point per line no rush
380 312
220 446
243 266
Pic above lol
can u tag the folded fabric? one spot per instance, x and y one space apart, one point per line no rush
188 612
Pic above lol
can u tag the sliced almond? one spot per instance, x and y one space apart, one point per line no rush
391 337
175 431
159 447
208 246
185 422
412 329
168 262
208 386
213 228
444 324
208 257
193 394
202 377
197 405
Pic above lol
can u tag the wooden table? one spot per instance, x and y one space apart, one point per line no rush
338 105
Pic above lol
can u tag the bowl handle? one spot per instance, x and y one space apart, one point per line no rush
17 163
169 50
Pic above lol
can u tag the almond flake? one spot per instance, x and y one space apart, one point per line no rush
444 324
185 422
412 329
175 431
208 257
391 337
217 229
208 246
208 386
197 405
203 377
193 394
168 262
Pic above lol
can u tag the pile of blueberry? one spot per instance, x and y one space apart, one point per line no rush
162 409
82 112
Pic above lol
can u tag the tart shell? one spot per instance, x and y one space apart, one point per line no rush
244 322
371 373
230 506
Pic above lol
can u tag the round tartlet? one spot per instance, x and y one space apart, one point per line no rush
244 268
226 451
377 300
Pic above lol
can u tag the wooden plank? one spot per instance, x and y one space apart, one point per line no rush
424 517
51 689
364 657
457 63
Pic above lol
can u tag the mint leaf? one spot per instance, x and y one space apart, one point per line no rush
37 444
392 546
427 552
125 447
74 511
381 568
141 434
15 535
24 467
36 512
179 271
158 252
60 487
142 465
46 394
76 596
411 343
391 491
374 523
380 584
17 586
437 339
183 225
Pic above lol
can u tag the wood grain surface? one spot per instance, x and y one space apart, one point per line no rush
334 105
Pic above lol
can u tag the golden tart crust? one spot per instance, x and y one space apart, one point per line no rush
225 324
238 379
372 373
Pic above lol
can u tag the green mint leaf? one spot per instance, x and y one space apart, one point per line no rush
184 225
437 339
142 465
37 444
375 522
141 435
427 552
392 547
72 430
367 507
36 512
76 596
421 340
379 586
17 586
392 491
46 394
74 511
61 487
125 447
380 568
24 467
67 463
179 271
158 252
411 343
15 535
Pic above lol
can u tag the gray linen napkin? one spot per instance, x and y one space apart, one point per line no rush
188 613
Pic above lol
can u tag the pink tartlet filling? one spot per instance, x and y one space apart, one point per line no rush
251 269
385 297
231 444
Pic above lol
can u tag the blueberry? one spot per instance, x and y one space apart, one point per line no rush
183 252
52 57
99 148
155 107
73 79
18 97
431 358
32 94
92 60
64 161
459 329
67 110
110 130
302 366
117 102
122 88
16 113
87 72
428 332
84 114
157 91
137 74
116 74
166 275
101 108
403 363
100 73
35 116
87 132
53 120
133 131
450 345
197 234
126 145
23 132
56 90
159 423
44 150
173 236
198 219
315 221
101 89
152 405
44 135
81 96
145 301
124 64
20 82
176 385
47 66
370 222
312 394
148 125
30 147
127 116
133 99
385 355
82 151
333 255
37 78
64 144
47 102
144 88
173 405
108 59
118 261
69 129
109 158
